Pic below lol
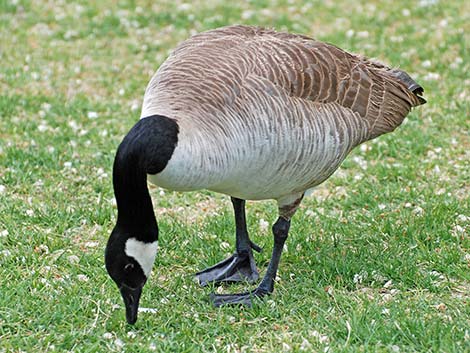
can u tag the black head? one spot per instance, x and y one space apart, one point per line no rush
126 272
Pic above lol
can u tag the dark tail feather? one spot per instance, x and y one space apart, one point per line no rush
412 85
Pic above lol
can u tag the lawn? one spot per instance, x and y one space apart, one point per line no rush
377 259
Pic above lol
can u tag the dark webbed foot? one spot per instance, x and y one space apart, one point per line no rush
245 299
240 267
280 230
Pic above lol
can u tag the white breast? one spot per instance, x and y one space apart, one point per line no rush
264 161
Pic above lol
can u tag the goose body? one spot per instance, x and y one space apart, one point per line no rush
256 114
279 110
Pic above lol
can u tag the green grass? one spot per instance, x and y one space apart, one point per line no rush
377 259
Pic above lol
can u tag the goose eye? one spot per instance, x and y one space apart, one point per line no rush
129 267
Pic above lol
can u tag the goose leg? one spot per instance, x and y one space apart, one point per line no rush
280 231
287 207
241 265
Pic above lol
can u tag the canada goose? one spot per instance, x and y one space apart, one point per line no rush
254 114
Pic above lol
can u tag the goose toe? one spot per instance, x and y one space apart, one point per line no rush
236 268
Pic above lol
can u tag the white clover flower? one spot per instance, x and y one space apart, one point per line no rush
418 211
91 244
432 76
118 343
363 34
92 115
135 106
74 259
5 253
426 63
263 225
82 278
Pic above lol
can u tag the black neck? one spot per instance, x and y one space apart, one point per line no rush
135 210
146 149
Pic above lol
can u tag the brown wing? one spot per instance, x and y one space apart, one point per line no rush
211 68
320 72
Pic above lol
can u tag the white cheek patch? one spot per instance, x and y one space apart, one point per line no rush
143 253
